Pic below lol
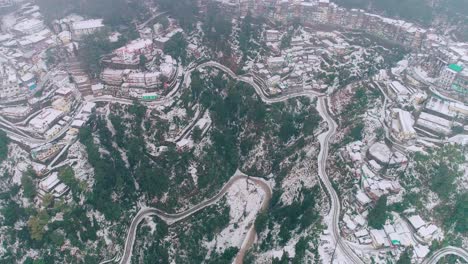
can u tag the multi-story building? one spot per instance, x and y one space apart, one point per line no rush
324 8
9 85
132 51
448 75
403 127
143 80
86 27
112 77
460 84
29 26
45 120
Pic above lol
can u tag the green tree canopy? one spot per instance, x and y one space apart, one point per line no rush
4 141
177 47
37 225
29 188
405 257
378 214
67 176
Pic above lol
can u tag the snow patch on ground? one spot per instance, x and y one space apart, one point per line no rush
82 168
301 176
150 223
16 163
245 200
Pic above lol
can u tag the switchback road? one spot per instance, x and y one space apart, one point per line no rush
176 217
335 205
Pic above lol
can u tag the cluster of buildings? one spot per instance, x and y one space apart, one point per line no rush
24 38
9 83
130 54
442 65
132 82
140 69
435 117
423 108
25 42
44 153
290 68
54 117
75 27
373 166
41 104
377 168
443 60
322 12
397 234
66 110
304 64
440 117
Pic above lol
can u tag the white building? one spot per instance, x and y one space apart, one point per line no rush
362 198
383 155
86 27
459 108
146 33
421 251
145 80
29 26
45 119
51 184
379 238
428 232
16 112
416 221
65 37
88 107
434 124
112 77
403 126
398 89
440 108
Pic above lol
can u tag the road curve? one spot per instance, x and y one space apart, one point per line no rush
324 139
257 88
252 234
436 256
335 205
176 217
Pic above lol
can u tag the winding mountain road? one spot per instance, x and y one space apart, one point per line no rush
176 217
439 254
335 206
324 139
323 156
260 92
